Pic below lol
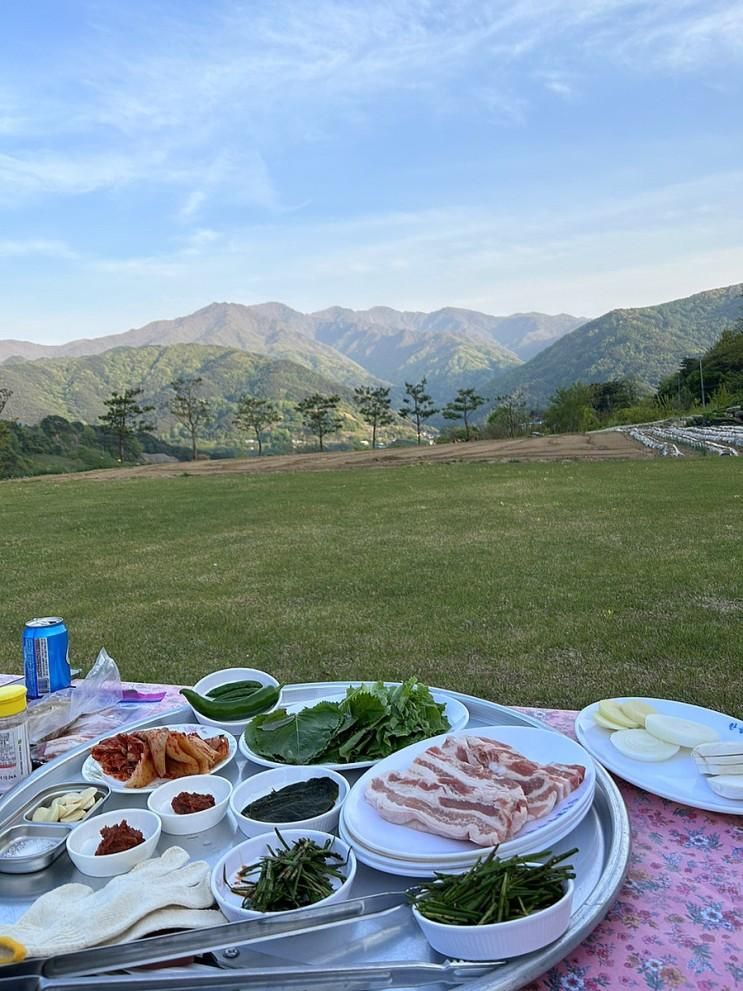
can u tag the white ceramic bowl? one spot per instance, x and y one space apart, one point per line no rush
500 940
253 849
268 781
234 726
159 802
84 839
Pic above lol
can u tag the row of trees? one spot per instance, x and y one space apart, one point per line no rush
126 415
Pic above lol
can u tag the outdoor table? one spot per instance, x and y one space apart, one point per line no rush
678 920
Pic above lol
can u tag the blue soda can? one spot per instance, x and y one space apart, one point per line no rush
45 656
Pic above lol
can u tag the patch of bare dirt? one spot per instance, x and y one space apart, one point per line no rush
608 446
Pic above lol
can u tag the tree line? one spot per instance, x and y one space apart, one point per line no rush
127 416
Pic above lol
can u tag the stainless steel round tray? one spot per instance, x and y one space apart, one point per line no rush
603 839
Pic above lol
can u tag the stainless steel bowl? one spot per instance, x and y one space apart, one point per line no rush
31 835
47 796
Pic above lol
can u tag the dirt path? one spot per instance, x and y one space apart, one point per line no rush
584 447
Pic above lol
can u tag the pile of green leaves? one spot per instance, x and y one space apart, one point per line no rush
371 722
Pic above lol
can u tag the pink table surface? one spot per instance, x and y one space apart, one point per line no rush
678 921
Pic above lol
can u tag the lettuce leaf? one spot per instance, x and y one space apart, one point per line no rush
372 721
299 738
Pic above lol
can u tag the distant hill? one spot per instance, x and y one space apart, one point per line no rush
645 343
229 325
76 387
453 347
521 334
449 361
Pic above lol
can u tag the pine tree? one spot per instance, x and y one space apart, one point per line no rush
320 414
188 407
256 415
417 405
374 406
465 403
124 417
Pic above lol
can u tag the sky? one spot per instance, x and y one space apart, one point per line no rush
552 155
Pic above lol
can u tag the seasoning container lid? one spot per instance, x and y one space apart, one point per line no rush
12 699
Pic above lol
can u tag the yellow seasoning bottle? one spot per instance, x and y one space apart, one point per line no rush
15 755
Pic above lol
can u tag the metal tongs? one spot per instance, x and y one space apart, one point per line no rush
85 969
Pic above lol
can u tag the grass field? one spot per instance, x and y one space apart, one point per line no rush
546 584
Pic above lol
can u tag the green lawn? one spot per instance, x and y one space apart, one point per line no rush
545 584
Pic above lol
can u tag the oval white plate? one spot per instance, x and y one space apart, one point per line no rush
405 843
91 769
587 836
456 712
676 779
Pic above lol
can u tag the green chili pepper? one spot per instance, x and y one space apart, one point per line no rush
233 708
229 687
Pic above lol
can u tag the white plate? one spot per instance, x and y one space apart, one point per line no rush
678 778
519 845
587 836
456 712
405 843
91 769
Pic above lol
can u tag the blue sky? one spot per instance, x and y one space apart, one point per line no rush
531 154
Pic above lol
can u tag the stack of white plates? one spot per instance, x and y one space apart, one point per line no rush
409 852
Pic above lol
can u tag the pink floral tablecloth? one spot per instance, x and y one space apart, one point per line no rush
678 921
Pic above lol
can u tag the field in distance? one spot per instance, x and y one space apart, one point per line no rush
545 583
599 446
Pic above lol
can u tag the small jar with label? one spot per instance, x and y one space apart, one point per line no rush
15 754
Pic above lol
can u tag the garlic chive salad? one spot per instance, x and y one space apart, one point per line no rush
494 890
289 877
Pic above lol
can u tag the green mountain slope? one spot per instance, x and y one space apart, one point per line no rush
646 344
268 329
453 347
448 362
76 387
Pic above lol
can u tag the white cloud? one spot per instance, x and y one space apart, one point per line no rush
204 101
192 204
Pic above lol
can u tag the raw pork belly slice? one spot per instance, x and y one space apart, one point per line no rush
544 785
472 788
486 815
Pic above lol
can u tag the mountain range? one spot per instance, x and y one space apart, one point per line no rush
276 351
645 344
453 347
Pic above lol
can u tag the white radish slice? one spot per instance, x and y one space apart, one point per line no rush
728 786
711 769
606 723
637 710
638 744
682 732
730 750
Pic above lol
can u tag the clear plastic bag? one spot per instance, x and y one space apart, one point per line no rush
100 689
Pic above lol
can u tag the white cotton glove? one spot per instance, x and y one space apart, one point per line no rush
163 893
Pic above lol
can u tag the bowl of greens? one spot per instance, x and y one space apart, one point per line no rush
283 871
498 908
291 797
354 730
